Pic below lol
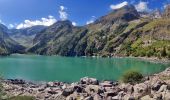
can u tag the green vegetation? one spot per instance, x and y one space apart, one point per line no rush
156 23
22 98
132 77
155 48
165 78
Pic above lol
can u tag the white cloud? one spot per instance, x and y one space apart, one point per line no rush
74 23
91 20
1 22
63 13
44 21
120 5
142 6
11 26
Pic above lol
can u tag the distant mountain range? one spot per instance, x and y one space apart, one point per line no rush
7 45
123 32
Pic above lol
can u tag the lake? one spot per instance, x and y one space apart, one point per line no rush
71 69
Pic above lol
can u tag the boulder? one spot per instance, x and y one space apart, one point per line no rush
60 97
72 96
89 98
110 93
106 84
158 96
162 88
141 90
88 81
97 97
50 84
116 98
147 97
17 81
166 96
90 89
131 98
66 92
157 86
78 89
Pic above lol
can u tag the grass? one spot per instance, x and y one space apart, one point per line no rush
165 78
22 98
156 23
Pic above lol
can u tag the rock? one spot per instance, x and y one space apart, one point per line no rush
90 89
157 85
110 93
78 89
60 97
147 97
88 81
163 88
89 98
168 87
115 83
106 84
108 98
166 95
128 88
131 98
50 84
17 81
115 98
140 90
72 96
64 86
66 92
97 97
52 92
158 97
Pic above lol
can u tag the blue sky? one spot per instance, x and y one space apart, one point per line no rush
81 12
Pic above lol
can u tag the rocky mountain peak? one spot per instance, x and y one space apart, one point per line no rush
65 22
167 12
3 27
126 13
156 14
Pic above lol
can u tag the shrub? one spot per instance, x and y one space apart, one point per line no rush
132 77
163 52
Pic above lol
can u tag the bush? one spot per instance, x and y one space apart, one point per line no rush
163 52
132 77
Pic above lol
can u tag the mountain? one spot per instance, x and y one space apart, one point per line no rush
60 39
25 36
7 45
122 32
156 14
64 39
151 39
167 12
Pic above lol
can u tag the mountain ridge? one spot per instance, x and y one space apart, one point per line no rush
122 32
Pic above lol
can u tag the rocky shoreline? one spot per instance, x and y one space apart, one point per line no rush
155 87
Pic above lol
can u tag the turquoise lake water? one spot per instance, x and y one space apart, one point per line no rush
71 69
